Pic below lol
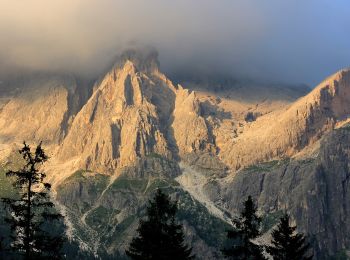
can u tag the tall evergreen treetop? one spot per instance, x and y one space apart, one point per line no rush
31 211
159 235
250 221
287 244
245 229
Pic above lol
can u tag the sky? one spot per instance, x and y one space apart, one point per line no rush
295 41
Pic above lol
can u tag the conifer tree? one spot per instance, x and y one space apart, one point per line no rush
287 244
32 210
245 229
159 235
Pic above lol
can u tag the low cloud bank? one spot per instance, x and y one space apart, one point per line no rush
292 41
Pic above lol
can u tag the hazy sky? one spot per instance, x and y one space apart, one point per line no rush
285 40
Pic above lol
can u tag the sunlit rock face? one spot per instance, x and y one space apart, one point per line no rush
135 102
287 131
38 111
112 143
135 111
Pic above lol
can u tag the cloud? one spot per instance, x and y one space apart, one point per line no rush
298 41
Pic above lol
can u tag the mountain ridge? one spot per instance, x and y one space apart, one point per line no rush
137 130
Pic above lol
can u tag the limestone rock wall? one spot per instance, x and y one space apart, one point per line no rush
315 191
38 110
286 132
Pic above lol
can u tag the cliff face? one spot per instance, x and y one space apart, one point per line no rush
134 111
137 131
37 110
314 190
285 132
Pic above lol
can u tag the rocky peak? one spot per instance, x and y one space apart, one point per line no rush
135 112
145 60
334 94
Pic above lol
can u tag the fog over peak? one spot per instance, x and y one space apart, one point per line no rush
292 41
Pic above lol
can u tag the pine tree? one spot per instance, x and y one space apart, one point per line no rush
159 235
287 244
245 229
32 210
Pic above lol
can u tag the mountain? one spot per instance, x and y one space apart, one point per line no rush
209 143
287 131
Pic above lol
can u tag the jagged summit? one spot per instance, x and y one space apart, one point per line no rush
337 75
135 113
144 59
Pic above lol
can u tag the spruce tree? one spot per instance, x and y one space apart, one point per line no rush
287 244
31 211
245 229
159 235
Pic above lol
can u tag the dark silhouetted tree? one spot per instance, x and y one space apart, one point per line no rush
287 244
32 210
245 229
159 235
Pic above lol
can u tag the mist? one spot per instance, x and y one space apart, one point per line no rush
289 41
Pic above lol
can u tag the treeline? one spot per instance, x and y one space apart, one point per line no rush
31 217
161 237
245 244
